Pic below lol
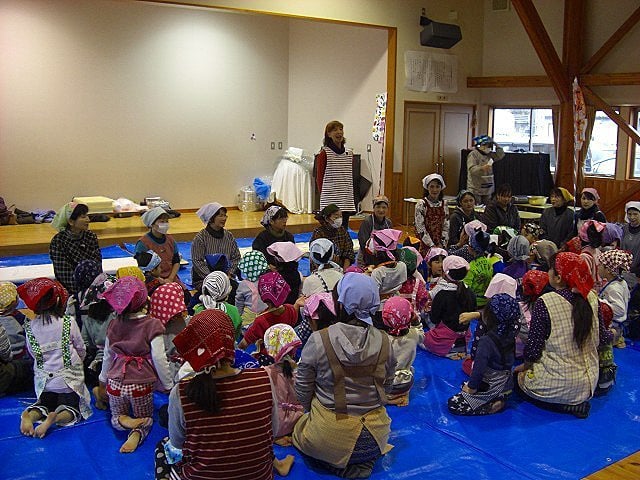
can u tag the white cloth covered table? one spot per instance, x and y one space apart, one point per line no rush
293 186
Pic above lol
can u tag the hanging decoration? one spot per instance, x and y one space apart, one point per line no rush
377 132
579 130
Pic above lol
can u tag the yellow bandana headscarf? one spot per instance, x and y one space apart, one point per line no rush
130 272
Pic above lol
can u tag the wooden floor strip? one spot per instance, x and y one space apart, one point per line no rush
626 469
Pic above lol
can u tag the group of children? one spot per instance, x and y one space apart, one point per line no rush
117 335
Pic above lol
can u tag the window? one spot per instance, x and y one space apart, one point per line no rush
636 148
525 129
603 147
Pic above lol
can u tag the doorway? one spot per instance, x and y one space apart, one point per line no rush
434 134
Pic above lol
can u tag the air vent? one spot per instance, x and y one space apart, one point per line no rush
500 5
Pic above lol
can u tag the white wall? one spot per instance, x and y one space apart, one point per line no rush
336 80
131 99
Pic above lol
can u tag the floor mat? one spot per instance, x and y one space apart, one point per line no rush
523 442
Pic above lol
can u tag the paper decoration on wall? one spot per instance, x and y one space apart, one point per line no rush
431 72
380 117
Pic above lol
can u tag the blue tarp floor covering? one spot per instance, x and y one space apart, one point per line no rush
523 442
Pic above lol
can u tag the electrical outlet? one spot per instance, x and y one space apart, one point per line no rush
368 147
442 98
273 145
279 145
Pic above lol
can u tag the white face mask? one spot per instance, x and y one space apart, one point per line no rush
162 227
337 223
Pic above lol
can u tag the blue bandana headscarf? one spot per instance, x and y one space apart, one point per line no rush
85 273
507 312
359 295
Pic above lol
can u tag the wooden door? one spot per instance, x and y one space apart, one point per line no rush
421 142
433 138
455 134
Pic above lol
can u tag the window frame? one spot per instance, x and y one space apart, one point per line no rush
492 118
617 150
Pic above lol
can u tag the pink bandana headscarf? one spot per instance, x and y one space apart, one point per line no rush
312 303
273 288
583 229
385 240
280 340
593 192
126 291
285 251
396 314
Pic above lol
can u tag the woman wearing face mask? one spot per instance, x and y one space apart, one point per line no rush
330 219
73 243
157 239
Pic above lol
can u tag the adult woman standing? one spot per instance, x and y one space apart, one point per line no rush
73 243
219 418
342 380
560 372
158 240
331 227
376 221
334 172
212 239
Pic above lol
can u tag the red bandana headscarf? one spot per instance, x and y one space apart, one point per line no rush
534 282
35 290
575 271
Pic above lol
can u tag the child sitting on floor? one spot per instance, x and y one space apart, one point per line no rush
167 305
281 343
406 333
134 361
273 290
452 298
94 332
55 343
248 302
491 380
414 288
84 274
534 284
216 287
615 292
16 368
318 312
149 263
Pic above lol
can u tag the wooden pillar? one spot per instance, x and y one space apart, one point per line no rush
564 155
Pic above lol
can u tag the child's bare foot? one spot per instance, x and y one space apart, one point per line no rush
26 424
132 443
497 406
41 430
283 466
132 423
283 441
101 401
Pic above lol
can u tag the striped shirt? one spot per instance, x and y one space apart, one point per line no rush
337 183
5 345
205 243
236 442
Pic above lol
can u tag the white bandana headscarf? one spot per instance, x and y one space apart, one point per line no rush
629 205
208 211
215 288
321 252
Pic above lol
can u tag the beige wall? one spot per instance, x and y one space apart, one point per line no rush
335 72
92 99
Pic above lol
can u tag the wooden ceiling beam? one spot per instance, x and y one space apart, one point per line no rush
573 36
600 104
613 40
543 46
534 81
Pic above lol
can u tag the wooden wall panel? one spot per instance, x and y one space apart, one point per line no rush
613 195
396 196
